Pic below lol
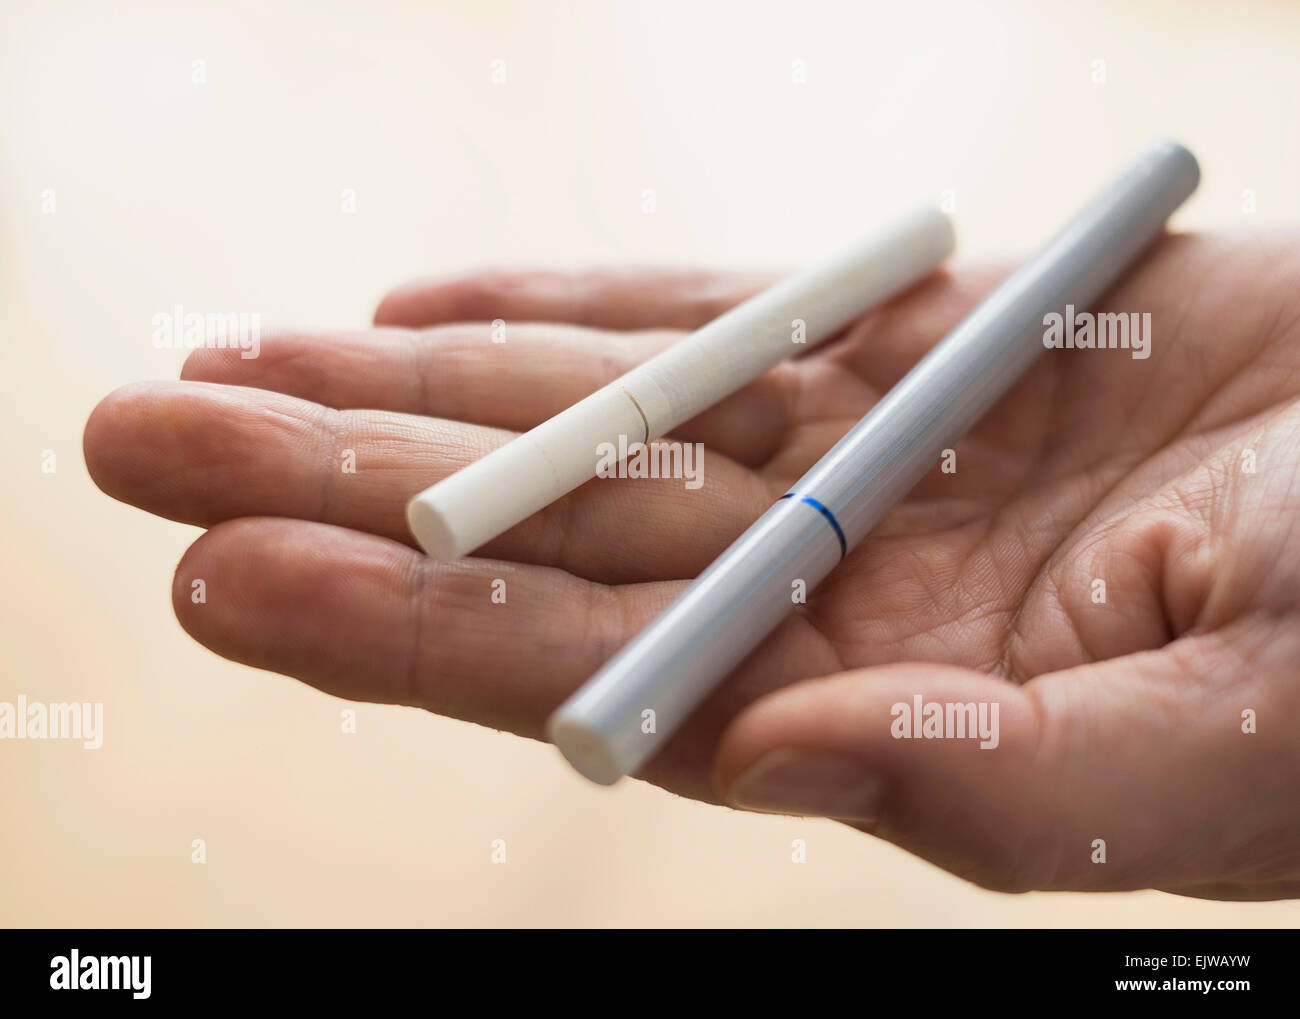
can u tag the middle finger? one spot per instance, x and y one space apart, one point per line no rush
204 453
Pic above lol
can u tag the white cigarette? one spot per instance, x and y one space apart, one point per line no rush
510 484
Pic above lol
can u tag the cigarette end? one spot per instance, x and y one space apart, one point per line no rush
584 748
431 530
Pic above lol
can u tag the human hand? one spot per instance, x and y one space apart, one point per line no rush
1119 721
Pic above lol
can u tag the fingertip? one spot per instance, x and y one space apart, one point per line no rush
243 571
427 300
772 722
105 441
856 715
836 711
186 593
392 308
473 296
207 364
213 554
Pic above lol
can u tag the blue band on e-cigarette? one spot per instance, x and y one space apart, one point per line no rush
830 517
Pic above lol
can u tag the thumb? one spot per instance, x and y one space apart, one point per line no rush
1099 777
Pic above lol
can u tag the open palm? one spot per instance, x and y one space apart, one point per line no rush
1174 480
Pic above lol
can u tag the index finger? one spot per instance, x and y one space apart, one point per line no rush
606 298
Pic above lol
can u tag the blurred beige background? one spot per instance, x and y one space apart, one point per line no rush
225 194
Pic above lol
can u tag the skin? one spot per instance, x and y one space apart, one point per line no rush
1119 721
